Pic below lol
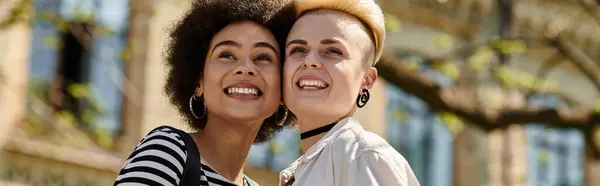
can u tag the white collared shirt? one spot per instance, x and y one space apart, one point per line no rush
348 155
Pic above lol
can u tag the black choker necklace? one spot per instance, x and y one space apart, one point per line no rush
316 131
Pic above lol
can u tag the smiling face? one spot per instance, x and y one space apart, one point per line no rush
327 63
242 74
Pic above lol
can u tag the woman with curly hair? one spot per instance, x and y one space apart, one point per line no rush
224 68
327 76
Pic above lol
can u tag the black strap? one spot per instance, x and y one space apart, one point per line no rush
316 131
290 181
191 172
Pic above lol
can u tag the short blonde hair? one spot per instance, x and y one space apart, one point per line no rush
365 10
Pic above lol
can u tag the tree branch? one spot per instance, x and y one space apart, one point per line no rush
592 9
580 60
452 101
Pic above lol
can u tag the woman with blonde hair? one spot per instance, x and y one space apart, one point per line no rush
328 73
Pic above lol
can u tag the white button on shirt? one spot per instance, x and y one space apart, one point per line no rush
348 155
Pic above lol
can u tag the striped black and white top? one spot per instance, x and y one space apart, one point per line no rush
159 159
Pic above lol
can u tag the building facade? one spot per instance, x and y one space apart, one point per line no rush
42 141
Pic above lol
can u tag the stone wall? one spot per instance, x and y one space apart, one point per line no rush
14 52
157 109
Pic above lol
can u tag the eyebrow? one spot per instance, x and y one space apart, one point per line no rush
329 41
296 41
265 45
302 42
226 43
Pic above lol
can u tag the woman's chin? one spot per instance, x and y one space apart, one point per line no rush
316 111
245 116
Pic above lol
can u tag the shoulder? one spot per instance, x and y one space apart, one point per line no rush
354 141
354 137
159 158
385 167
163 142
164 136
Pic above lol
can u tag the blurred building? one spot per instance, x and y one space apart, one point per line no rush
61 101
73 105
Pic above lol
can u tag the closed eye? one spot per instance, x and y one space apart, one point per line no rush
227 55
263 57
333 51
297 50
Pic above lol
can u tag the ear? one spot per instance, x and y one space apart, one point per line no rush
370 78
199 88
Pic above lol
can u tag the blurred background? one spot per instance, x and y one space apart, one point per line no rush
471 92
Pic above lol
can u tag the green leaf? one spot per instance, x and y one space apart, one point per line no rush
443 41
511 47
276 147
597 106
88 116
65 118
412 62
482 58
450 69
78 90
392 23
454 124
544 156
546 86
399 115
61 25
50 41
104 139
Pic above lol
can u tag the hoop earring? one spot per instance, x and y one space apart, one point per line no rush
195 98
362 99
285 114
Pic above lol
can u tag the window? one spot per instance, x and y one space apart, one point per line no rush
420 136
554 156
73 65
76 71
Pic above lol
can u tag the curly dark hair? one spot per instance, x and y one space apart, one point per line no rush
190 42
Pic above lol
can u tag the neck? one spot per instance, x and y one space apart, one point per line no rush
308 125
224 145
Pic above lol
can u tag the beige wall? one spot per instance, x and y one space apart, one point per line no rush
157 109
372 116
26 169
14 59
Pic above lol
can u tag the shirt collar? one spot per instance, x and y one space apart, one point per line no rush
328 138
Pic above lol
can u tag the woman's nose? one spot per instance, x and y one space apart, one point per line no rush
312 61
246 68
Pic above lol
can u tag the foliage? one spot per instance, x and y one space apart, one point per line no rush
544 156
276 147
77 130
392 23
443 41
447 67
481 58
46 117
453 122
399 115
21 9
